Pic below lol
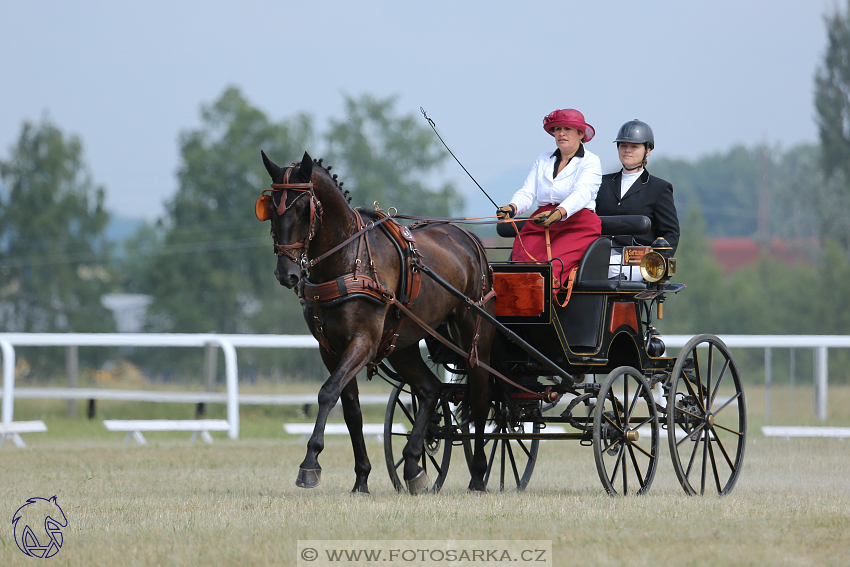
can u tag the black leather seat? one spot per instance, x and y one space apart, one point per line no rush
622 225
592 274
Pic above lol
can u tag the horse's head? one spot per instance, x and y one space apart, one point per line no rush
294 211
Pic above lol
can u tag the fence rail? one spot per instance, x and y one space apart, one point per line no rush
229 343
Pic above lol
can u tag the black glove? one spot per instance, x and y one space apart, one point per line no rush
547 218
508 211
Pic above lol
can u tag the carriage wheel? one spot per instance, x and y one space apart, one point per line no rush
511 460
625 433
706 417
438 450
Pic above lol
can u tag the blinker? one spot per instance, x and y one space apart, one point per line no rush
262 209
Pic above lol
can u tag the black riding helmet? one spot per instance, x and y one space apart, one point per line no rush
636 132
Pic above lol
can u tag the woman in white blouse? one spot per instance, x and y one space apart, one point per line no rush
564 183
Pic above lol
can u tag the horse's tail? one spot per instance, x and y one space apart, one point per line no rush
499 394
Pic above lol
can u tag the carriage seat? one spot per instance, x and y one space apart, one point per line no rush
619 225
592 274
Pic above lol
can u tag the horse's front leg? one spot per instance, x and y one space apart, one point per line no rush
426 387
355 357
354 421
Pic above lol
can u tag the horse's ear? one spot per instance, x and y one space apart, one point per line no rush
306 169
271 167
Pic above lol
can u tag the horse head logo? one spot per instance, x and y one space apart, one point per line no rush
38 527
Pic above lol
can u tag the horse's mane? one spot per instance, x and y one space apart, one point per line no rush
333 177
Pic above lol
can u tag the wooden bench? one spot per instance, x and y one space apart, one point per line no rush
800 431
135 427
13 430
375 430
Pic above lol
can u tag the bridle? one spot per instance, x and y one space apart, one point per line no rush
288 250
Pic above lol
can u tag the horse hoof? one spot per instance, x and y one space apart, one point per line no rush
308 478
418 484
360 492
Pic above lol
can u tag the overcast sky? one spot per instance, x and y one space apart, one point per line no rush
127 78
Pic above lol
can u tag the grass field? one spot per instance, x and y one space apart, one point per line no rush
235 502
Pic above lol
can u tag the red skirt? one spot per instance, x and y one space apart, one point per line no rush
569 240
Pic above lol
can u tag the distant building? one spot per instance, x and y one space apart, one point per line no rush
735 253
128 309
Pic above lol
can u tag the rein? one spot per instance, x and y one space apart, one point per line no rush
366 228
354 283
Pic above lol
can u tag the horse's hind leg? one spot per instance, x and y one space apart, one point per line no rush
355 357
354 421
413 371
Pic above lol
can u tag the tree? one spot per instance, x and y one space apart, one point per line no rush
212 271
386 158
830 182
697 308
53 253
832 96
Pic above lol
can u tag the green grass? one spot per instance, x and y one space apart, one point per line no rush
235 502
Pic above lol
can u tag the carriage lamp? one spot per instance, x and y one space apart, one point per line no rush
657 265
655 347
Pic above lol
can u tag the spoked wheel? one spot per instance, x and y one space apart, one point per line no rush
706 417
398 424
625 433
509 460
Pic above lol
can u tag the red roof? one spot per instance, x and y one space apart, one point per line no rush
735 253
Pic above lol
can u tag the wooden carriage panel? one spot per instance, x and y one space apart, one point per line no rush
624 313
519 294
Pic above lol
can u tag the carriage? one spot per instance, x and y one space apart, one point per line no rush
616 391
583 364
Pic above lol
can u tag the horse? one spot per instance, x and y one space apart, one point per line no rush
358 291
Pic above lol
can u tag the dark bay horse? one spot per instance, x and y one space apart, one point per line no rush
314 230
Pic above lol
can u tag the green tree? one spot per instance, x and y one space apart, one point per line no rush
832 95
53 253
211 268
697 308
386 158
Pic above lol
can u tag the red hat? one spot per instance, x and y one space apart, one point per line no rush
568 117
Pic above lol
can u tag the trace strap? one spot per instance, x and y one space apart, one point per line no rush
458 350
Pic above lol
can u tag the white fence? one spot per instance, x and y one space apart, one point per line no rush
818 343
229 344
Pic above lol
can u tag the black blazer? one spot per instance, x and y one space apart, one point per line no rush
648 196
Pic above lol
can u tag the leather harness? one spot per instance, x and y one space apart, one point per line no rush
359 285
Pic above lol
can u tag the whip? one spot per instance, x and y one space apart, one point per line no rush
434 128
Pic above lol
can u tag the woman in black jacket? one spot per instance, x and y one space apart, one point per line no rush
633 191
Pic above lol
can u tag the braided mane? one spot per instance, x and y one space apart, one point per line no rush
333 177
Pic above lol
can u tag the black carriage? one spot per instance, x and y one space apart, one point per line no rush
591 369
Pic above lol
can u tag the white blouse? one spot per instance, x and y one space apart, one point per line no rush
575 188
